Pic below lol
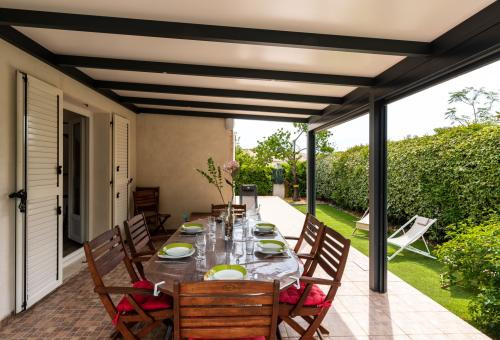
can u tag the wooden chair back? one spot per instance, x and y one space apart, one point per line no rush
105 253
240 210
146 200
226 309
139 241
332 258
312 234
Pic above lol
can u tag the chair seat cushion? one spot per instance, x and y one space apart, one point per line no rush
145 301
316 297
252 338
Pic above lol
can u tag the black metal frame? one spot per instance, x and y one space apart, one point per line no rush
239 35
189 113
210 71
216 92
469 45
311 172
221 106
378 195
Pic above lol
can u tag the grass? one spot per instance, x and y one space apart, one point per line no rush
419 271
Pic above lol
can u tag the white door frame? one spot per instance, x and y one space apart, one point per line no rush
89 154
81 219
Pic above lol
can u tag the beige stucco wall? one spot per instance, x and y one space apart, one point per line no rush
11 60
169 148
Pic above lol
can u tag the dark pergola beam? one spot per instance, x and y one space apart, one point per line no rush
239 35
210 71
220 106
188 113
36 50
214 92
469 45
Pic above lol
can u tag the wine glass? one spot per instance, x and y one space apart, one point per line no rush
238 251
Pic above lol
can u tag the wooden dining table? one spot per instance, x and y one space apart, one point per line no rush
260 267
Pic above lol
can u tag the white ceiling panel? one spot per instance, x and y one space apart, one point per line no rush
211 53
421 20
258 113
222 83
245 101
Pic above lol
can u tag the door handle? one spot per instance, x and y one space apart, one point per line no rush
117 195
118 168
22 195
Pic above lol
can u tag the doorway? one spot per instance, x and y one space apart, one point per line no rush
75 193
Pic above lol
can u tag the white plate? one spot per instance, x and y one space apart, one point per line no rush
191 229
177 254
228 274
270 248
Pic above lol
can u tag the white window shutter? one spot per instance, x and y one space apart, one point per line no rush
120 169
39 228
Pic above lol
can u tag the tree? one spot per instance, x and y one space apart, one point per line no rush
283 145
480 101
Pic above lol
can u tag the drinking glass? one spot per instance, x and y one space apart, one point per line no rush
238 251
249 244
200 245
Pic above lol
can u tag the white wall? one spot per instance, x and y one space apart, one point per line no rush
11 60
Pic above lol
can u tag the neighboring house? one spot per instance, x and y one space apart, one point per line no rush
276 163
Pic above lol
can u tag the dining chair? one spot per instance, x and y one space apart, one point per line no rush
226 309
140 241
309 302
147 201
240 210
310 236
138 304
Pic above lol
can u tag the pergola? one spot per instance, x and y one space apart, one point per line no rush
319 62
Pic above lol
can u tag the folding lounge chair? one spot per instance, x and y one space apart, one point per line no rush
417 230
363 223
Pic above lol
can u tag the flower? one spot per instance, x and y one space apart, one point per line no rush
231 167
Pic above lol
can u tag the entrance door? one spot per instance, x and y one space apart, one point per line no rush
39 195
76 178
120 170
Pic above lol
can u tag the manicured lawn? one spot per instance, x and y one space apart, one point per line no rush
421 272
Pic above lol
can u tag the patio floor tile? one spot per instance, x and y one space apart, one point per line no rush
74 311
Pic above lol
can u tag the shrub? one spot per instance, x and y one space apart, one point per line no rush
451 176
252 172
472 260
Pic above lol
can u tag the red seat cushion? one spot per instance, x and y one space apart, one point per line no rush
145 301
252 338
316 297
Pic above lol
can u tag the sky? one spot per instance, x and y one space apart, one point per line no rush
416 115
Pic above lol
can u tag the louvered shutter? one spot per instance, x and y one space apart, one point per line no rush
120 169
39 226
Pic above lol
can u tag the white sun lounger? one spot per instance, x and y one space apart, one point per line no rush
363 223
417 230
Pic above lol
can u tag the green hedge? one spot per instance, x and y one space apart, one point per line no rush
452 175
